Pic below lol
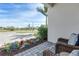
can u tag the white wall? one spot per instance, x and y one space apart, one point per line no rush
63 19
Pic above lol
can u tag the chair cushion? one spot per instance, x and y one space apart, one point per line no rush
64 54
74 53
77 43
73 39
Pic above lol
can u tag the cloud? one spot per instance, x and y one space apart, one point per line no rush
21 15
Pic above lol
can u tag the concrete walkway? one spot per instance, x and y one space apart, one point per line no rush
37 50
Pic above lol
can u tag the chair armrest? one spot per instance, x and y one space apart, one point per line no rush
76 47
64 40
63 47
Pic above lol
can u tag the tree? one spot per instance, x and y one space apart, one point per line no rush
42 32
29 26
11 28
43 11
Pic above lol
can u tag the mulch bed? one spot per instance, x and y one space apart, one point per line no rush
3 53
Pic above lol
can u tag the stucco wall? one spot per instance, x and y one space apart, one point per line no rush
63 19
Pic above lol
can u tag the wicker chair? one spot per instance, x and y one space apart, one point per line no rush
62 46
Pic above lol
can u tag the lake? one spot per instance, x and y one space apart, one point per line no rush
6 37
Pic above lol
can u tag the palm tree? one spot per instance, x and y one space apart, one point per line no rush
43 11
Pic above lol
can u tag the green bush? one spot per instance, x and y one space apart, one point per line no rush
11 46
7 48
15 45
27 45
42 32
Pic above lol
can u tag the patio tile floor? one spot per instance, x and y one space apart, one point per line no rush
37 50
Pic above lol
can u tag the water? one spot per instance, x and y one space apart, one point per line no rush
6 37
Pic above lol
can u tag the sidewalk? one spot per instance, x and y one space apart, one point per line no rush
37 50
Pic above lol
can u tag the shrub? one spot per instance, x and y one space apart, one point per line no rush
42 32
27 45
29 41
15 45
7 48
21 43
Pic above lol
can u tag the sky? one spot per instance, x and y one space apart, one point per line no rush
20 14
